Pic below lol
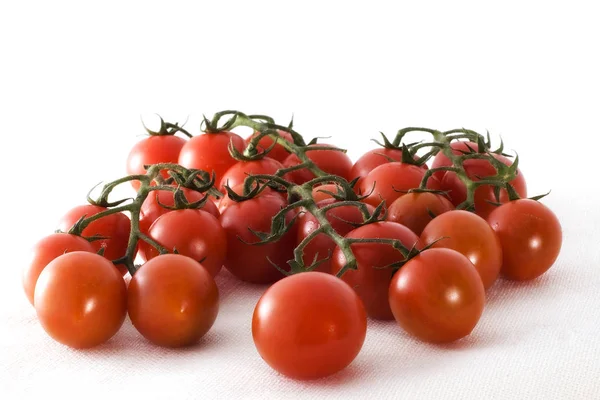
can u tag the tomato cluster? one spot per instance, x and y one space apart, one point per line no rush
414 233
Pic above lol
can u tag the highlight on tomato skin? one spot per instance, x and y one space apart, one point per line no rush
309 325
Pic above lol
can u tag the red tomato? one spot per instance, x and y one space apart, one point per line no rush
210 152
238 172
471 236
370 280
278 152
413 209
530 235
115 227
373 159
330 161
309 325
46 250
80 299
153 150
388 180
319 194
458 148
437 296
193 233
151 208
239 189
249 262
172 300
342 219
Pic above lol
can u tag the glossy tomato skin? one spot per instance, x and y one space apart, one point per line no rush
437 296
309 325
373 159
173 300
210 152
458 148
226 201
193 233
319 194
46 250
239 171
115 227
470 235
248 261
531 238
278 152
81 299
388 180
371 280
153 150
152 209
342 219
331 161
413 209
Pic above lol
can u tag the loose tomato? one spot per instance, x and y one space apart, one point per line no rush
389 181
342 219
437 296
470 235
80 299
278 152
153 150
210 152
239 171
374 158
152 209
309 325
414 209
371 280
332 162
530 235
115 227
173 300
46 250
250 262
193 233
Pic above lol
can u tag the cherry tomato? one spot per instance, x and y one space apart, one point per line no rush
387 182
332 162
153 150
46 250
239 171
247 261
342 219
371 280
373 159
210 152
80 299
414 209
226 201
458 148
115 227
470 235
278 152
173 300
530 235
309 325
193 233
152 209
437 296
319 194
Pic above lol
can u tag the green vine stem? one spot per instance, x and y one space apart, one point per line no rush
191 179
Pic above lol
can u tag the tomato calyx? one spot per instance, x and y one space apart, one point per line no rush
167 129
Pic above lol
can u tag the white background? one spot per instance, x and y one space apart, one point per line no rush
75 77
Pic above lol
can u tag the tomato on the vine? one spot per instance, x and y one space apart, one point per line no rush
530 235
210 152
415 210
309 325
319 192
371 280
193 233
374 158
172 300
278 152
245 259
239 171
437 296
80 299
46 250
153 150
470 235
114 227
342 219
332 162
